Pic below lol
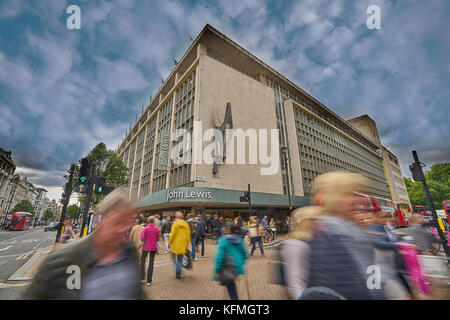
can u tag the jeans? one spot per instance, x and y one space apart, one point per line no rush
150 265
166 241
177 259
217 233
232 292
254 241
195 240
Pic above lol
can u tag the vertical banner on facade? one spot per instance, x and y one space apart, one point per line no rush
163 159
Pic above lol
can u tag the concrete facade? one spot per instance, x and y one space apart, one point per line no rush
391 165
216 71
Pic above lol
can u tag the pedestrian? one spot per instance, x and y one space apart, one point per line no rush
342 254
66 236
192 222
150 237
295 252
231 254
179 239
200 236
165 229
105 259
157 224
265 223
256 232
216 228
272 225
135 237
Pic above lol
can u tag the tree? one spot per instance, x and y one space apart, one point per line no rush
438 180
23 206
48 215
109 165
72 212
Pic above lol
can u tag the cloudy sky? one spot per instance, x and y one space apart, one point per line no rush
62 91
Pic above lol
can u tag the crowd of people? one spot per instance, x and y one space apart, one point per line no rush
336 251
333 251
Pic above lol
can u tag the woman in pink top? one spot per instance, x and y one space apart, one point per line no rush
150 236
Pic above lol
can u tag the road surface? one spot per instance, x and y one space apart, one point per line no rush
16 247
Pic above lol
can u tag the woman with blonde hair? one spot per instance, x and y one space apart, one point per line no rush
342 254
295 252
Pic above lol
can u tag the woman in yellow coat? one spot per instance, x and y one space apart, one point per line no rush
179 240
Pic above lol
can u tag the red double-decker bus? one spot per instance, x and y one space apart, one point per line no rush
402 213
20 221
420 210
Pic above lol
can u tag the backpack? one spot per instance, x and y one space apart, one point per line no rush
252 232
193 225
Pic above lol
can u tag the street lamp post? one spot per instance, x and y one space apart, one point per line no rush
284 150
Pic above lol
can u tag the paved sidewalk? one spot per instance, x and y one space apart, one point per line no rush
197 283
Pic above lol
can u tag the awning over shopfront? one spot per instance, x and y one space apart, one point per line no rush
195 196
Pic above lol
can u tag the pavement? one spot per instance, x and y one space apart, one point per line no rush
195 284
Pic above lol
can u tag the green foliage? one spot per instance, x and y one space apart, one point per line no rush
24 206
72 212
48 215
109 165
438 181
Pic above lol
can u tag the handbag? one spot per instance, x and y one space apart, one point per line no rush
186 261
228 273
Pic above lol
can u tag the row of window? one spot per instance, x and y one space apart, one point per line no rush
323 149
146 148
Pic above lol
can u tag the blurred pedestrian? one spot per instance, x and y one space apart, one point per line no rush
199 236
165 229
295 252
135 236
216 228
179 239
265 222
256 232
342 254
230 259
101 266
192 222
150 237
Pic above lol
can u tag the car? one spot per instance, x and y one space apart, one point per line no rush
52 226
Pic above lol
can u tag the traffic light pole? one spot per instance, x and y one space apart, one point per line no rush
249 201
67 192
88 200
430 202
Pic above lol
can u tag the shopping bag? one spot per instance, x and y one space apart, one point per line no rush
186 261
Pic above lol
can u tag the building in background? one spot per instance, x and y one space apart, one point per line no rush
216 71
391 165
39 203
7 169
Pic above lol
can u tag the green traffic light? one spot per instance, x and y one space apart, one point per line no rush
100 189
83 179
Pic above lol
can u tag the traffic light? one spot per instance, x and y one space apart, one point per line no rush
416 171
100 185
84 170
246 197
